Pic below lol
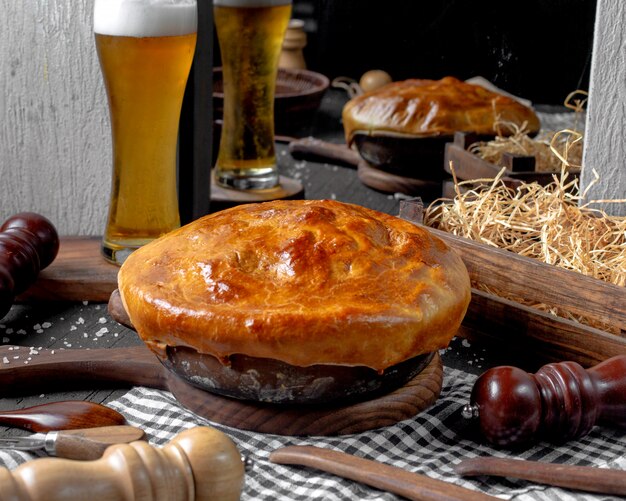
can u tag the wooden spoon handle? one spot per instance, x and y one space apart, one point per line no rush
63 370
310 147
385 477
584 478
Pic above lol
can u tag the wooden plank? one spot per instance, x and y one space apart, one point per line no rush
79 273
536 335
531 279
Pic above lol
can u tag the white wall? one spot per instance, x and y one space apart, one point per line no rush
54 129
605 137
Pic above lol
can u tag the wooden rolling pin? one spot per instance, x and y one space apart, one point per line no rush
198 464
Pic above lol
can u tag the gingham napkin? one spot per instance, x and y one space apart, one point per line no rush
430 443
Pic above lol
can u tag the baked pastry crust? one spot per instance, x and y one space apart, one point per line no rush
304 282
427 108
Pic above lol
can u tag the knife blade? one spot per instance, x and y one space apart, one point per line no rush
84 444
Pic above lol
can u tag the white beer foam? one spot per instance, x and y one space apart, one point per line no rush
250 3
145 18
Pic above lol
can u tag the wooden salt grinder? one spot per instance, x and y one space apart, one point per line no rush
561 402
198 464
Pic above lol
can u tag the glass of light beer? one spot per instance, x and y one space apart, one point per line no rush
250 35
145 48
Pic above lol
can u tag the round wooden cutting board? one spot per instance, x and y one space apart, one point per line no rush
73 369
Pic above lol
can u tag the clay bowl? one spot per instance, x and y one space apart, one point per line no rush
403 155
272 381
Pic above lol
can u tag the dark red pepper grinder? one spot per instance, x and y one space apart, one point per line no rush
560 402
28 243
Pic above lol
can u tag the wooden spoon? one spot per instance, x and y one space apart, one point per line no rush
388 478
67 415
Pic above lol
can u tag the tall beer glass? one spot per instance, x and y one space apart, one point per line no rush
145 49
250 35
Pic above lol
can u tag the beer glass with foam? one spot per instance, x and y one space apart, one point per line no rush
250 35
145 48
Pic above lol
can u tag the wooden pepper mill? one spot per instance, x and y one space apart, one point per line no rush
291 55
562 401
198 464
28 243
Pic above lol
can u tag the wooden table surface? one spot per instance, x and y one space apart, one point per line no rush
63 325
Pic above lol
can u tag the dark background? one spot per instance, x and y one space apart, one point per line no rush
538 49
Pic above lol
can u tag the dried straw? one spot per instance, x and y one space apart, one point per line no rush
551 149
549 223
520 143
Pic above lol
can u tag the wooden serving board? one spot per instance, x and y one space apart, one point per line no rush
72 369
79 273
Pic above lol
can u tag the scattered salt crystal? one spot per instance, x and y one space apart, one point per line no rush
52 352
466 343
116 334
25 362
5 340
85 335
46 325
102 332
10 348
42 395
69 345
21 331
36 327
62 318
33 352
16 357
9 331
102 320
85 303
29 358
5 360
73 327
80 320
39 331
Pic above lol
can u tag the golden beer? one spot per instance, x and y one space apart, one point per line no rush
145 79
250 34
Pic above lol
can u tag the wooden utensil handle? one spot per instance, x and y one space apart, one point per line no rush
201 464
90 443
385 477
584 478
62 370
316 148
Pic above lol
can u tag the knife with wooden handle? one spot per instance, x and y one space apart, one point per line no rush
85 444
388 478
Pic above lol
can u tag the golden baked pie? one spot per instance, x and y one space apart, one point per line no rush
303 282
429 108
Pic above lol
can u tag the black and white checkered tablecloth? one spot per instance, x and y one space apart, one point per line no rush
431 443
